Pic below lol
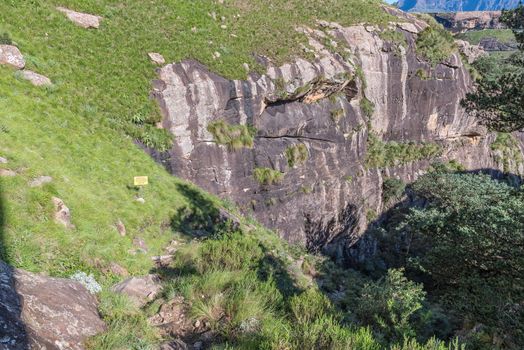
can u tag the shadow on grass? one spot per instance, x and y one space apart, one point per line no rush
13 335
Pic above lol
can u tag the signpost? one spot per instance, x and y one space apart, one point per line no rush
141 181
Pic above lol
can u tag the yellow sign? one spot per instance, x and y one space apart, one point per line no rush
141 180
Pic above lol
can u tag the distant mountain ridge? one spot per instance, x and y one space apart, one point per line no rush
455 6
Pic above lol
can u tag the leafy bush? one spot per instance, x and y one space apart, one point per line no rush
267 176
232 136
435 43
367 107
296 154
5 39
392 189
388 304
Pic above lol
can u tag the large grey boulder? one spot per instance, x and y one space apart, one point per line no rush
39 312
11 56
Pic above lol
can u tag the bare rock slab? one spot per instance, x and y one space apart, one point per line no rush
7 173
11 56
35 78
62 213
40 181
38 312
83 20
156 58
140 290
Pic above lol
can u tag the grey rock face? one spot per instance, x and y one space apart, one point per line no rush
459 22
40 312
471 52
325 200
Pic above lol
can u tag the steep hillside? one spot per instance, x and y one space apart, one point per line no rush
456 5
290 114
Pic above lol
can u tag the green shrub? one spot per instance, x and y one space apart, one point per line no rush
296 154
435 43
5 39
232 136
367 107
392 189
267 176
387 154
388 304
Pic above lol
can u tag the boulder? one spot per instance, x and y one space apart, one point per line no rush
35 78
11 56
38 312
140 290
471 52
156 58
121 228
83 20
40 181
62 213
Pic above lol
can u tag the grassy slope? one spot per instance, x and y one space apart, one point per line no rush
74 132
475 36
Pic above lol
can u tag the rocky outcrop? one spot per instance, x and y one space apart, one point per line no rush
35 78
62 213
455 5
470 52
494 44
38 312
318 126
459 22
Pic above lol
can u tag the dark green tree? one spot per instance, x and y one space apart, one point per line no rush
468 243
499 103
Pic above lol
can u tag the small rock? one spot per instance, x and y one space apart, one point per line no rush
7 173
246 67
162 260
172 247
223 26
140 244
35 78
83 20
197 324
141 200
216 55
140 290
156 58
3 160
121 228
62 213
10 55
40 181
117 270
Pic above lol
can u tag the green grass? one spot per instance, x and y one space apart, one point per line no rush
267 176
232 136
296 154
474 37
387 154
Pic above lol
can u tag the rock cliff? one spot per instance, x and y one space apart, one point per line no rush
305 147
459 22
